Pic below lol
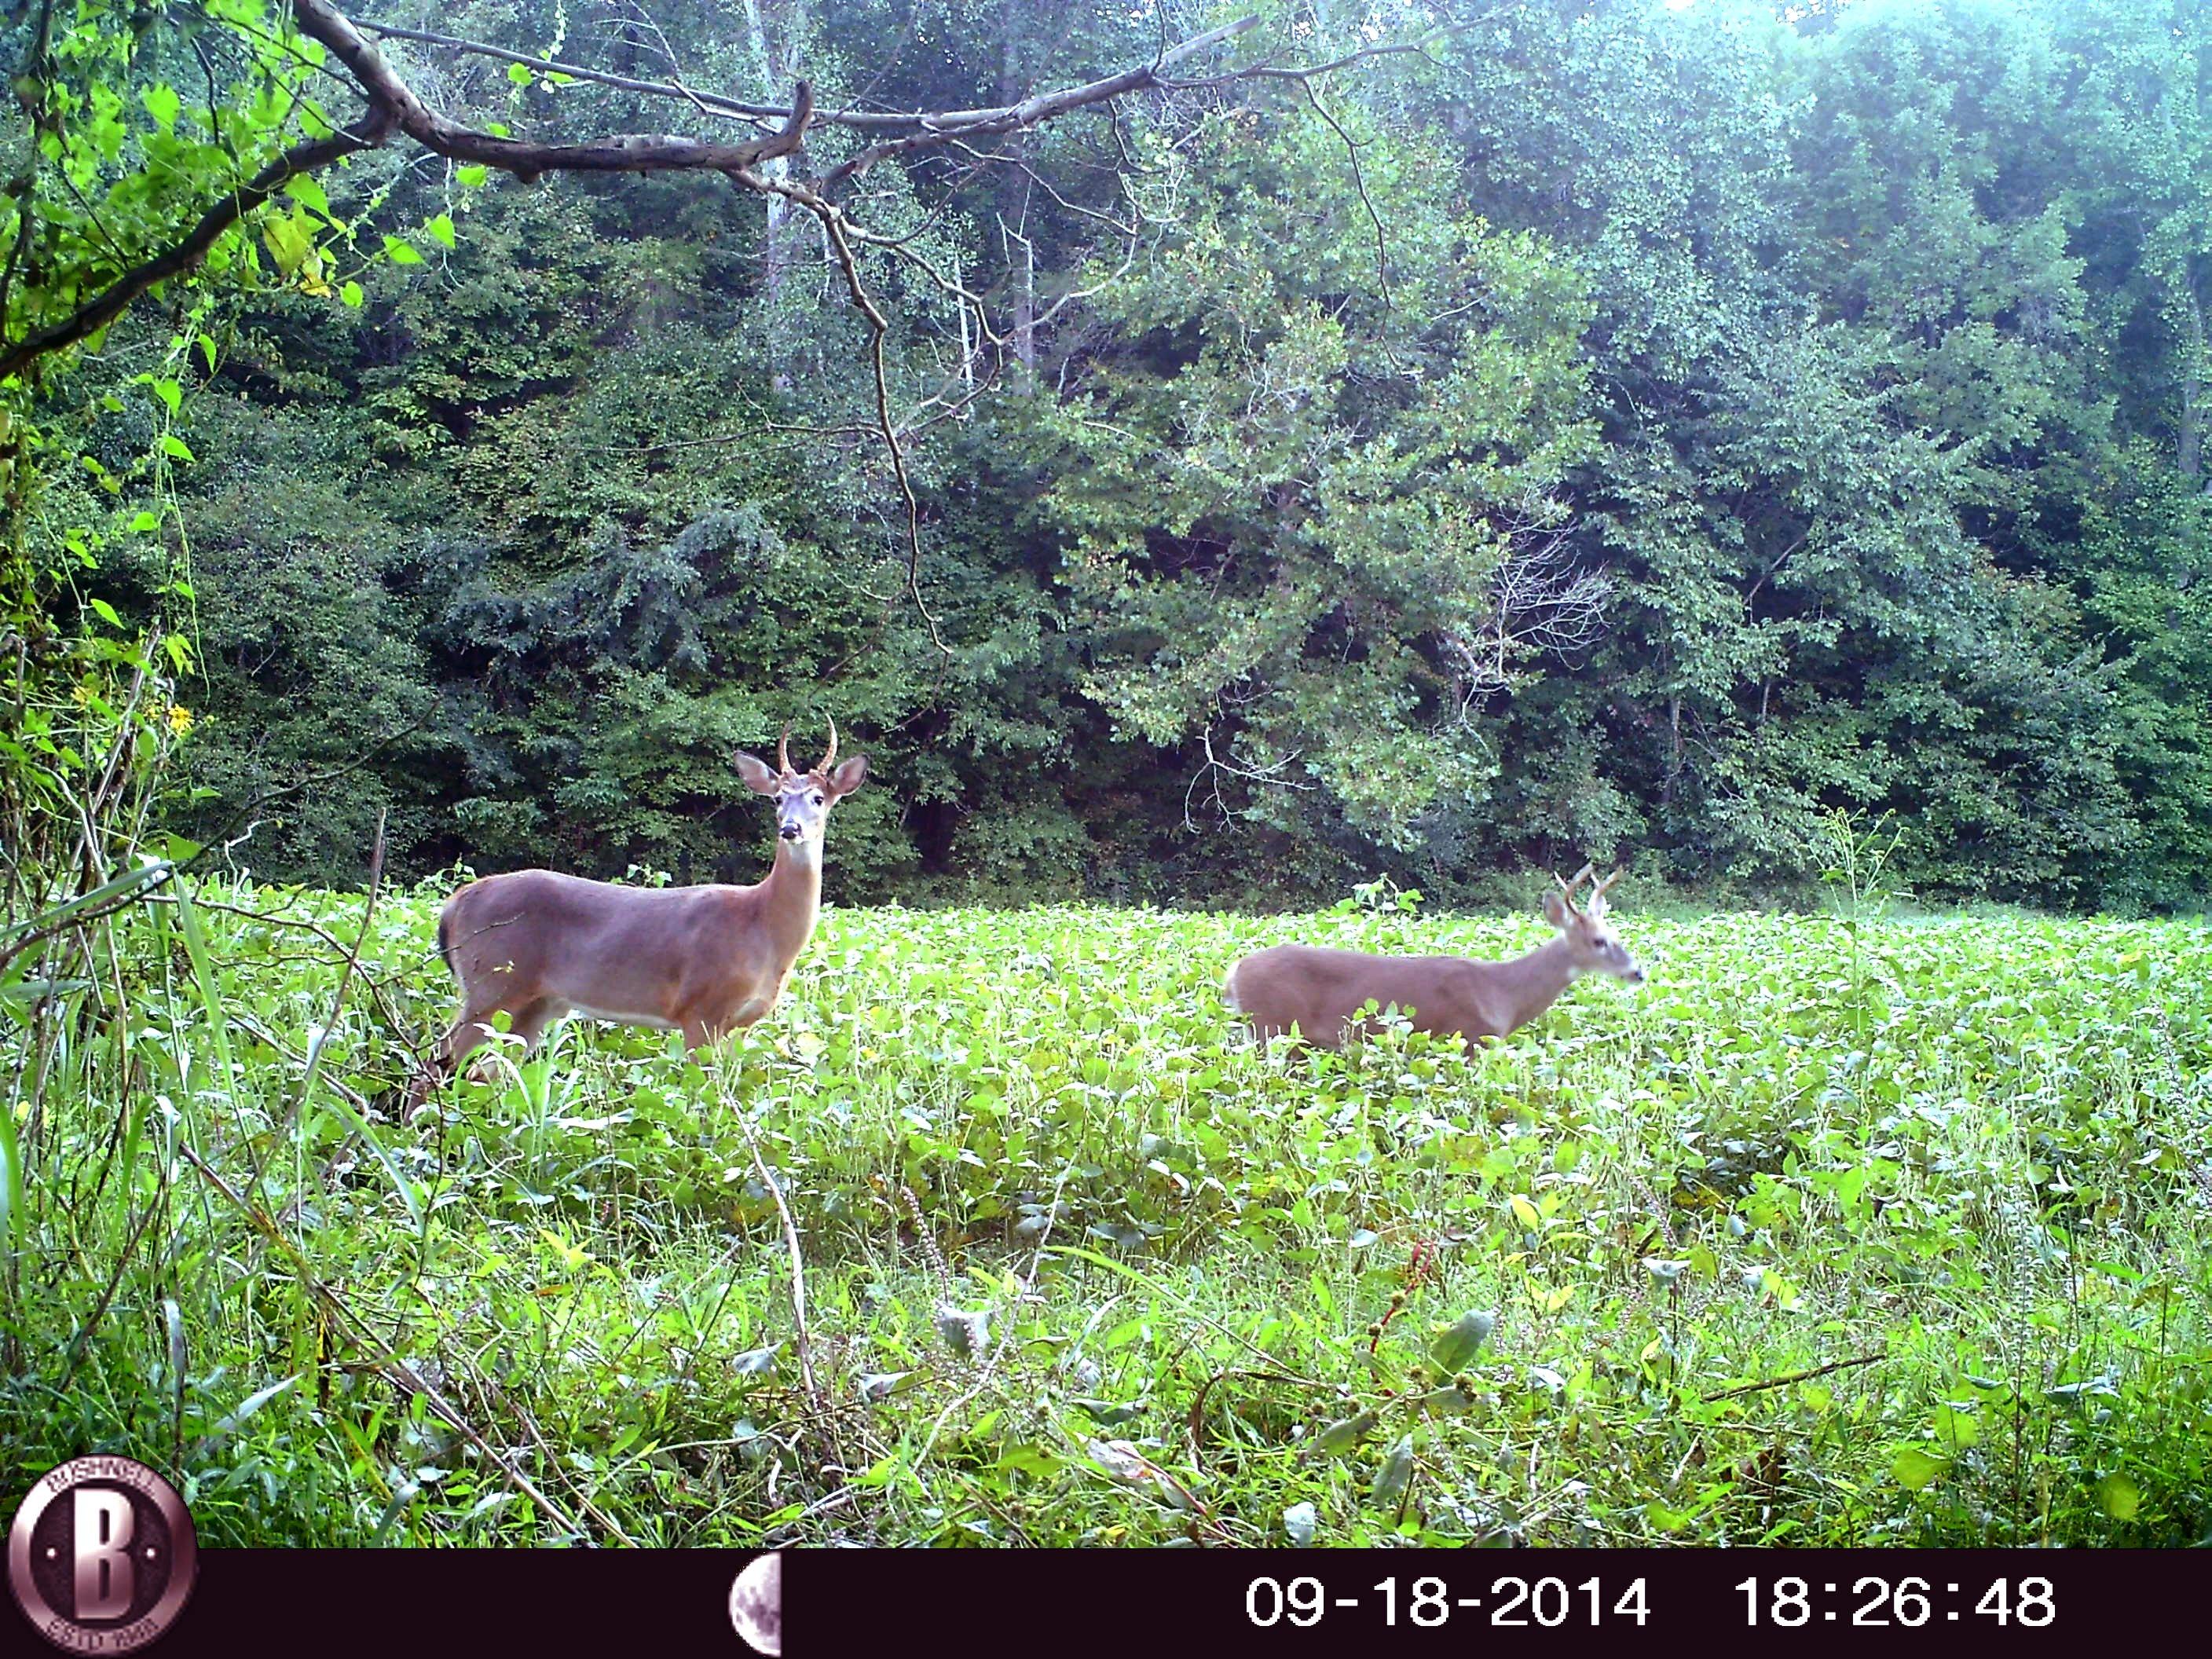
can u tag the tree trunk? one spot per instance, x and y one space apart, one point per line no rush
1675 751
2189 441
1014 202
778 240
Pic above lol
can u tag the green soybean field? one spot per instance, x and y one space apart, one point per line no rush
1843 1230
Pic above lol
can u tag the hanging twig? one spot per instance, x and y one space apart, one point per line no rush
1797 1377
1360 184
316 1046
833 221
801 1336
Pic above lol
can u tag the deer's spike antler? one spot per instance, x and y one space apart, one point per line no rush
783 752
1596 905
1567 887
831 754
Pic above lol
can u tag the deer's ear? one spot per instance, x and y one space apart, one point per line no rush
1555 910
755 772
848 776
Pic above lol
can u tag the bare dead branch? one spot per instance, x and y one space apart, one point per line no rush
1418 48
634 152
1536 602
393 103
834 226
1212 772
704 100
1360 183
983 159
1788 1378
943 128
971 121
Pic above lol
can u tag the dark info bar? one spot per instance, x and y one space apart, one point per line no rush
1067 1604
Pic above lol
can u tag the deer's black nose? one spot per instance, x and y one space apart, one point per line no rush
790 832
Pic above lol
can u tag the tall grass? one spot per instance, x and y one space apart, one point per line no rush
1842 1231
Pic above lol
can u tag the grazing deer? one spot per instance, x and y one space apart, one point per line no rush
704 961
1320 990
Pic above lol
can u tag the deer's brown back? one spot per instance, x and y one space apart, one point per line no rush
1320 988
530 935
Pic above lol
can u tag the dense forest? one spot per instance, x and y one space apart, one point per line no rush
1627 430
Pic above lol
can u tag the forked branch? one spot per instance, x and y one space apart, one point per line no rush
944 129
634 152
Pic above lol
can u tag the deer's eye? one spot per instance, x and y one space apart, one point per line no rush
817 800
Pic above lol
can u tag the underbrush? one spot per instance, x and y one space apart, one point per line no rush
1834 1233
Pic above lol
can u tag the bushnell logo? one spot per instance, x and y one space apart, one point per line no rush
102 1556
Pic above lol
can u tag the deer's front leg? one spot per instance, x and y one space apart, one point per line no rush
701 1032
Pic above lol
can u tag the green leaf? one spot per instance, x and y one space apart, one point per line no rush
244 1412
163 103
338 1103
1343 1435
402 1496
1455 1344
1397 1469
401 251
349 294
1914 1469
473 174
143 875
520 74
440 229
1956 1428
174 446
29 991
1029 1458
290 241
196 951
2120 1496
308 191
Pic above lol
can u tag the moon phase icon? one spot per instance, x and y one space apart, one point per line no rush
756 1604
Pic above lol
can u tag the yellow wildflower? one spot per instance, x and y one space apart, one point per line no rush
180 718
